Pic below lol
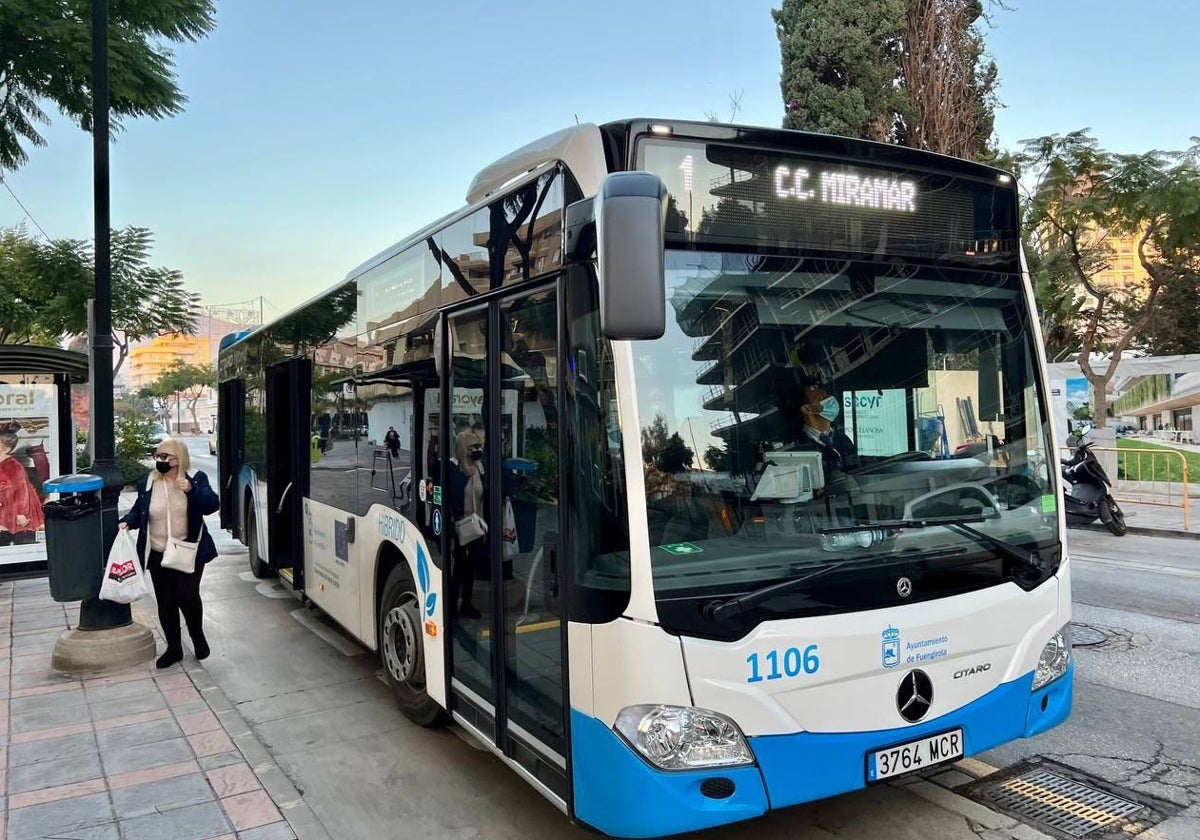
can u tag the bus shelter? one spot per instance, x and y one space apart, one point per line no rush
37 441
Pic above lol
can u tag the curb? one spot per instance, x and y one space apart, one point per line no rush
938 788
1139 531
274 779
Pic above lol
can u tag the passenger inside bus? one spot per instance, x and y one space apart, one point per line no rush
466 497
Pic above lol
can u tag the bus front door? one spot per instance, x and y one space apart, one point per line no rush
501 464
231 443
289 389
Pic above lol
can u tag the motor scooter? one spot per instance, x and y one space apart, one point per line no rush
1087 492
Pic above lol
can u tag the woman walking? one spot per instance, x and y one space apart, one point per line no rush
171 496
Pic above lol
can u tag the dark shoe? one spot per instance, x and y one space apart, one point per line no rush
201 646
169 658
468 611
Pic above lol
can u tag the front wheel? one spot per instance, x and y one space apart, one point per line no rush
1112 516
402 649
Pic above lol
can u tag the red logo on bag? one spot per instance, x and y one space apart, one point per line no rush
121 572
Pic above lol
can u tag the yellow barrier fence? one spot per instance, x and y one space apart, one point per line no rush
1148 477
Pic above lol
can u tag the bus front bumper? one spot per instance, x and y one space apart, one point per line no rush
620 794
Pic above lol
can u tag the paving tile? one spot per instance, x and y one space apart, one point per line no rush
54 732
250 810
138 733
146 756
66 697
172 682
40 690
121 690
193 822
271 831
212 762
127 706
233 779
210 743
199 722
114 679
37 719
190 708
130 720
152 774
63 771
53 794
39 679
51 749
163 795
83 816
182 696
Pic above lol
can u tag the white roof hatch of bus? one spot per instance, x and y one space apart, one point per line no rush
580 147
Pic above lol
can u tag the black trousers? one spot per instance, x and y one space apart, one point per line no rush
177 593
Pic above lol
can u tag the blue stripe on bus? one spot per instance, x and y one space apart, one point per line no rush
807 766
617 792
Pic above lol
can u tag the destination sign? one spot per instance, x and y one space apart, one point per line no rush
847 188
734 194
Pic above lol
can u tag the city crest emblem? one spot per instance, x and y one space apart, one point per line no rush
891 647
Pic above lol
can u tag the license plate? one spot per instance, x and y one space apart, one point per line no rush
914 755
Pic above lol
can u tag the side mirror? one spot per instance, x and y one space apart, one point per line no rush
630 212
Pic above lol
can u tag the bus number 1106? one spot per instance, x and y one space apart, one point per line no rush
794 663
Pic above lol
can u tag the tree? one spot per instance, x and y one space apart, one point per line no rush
677 456
30 273
1175 326
655 439
186 382
45 287
1082 197
46 53
912 72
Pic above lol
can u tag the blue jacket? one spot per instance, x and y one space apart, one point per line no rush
200 502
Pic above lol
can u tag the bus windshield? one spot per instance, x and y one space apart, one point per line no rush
808 410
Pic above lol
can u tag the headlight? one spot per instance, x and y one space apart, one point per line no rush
683 738
1054 661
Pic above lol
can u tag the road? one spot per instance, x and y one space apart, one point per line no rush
1136 721
317 702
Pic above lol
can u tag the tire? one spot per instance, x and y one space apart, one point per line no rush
258 567
1112 516
401 649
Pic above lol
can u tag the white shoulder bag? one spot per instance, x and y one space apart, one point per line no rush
179 554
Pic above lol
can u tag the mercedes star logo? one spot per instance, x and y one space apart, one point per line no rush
914 696
904 587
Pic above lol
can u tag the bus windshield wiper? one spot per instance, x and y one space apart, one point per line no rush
1029 559
719 608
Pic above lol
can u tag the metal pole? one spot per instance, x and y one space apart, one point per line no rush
95 614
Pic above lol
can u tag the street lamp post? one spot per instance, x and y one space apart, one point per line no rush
106 636
95 614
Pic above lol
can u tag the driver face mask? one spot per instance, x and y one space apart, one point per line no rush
831 407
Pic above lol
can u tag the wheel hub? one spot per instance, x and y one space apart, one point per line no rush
401 640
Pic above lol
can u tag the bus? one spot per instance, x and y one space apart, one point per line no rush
697 470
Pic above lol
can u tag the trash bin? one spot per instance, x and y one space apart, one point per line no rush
74 537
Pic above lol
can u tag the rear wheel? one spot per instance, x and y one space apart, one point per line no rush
402 650
1112 516
258 566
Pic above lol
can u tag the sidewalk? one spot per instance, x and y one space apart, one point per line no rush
134 754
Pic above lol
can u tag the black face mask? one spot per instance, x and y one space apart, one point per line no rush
162 466
476 454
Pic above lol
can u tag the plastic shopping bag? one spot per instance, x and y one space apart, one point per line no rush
510 531
124 580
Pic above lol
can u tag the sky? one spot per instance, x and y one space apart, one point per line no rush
316 134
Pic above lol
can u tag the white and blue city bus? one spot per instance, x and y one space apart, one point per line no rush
720 479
